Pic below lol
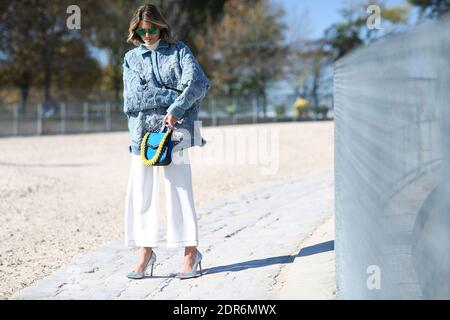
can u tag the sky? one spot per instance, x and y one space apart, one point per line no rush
320 14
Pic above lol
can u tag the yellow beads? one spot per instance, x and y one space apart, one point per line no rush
152 161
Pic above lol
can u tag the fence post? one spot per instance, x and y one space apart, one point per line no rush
108 116
213 111
39 120
255 109
235 103
85 116
63 118
16 120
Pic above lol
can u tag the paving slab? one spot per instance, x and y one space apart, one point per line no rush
249 242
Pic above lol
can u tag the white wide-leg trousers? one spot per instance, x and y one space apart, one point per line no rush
142 214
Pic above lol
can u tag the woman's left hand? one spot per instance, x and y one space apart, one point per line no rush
170 120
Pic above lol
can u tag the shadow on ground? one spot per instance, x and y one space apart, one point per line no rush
260 263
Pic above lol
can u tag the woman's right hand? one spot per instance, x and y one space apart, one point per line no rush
170 120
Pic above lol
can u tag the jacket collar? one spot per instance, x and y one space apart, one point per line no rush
142 49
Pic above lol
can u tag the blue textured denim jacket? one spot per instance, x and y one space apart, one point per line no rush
166 80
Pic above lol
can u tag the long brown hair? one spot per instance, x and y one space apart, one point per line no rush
149 13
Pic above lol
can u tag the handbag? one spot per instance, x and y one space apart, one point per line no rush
156 147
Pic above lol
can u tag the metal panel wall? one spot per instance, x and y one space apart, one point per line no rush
392 167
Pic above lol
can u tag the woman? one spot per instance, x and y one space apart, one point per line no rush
163 84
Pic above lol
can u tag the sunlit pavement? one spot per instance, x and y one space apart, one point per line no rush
252 245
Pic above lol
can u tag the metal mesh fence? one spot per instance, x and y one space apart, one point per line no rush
103 116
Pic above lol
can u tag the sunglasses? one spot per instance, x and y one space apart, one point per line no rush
141 32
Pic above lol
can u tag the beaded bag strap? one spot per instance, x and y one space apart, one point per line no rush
144 146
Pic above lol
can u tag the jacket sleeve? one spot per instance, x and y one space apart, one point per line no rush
194 82
140 96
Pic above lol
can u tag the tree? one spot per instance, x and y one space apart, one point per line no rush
110 33
315 56
353 32
34 37
263 51
431 8
297 70
243 50
18 60
188 18
76 73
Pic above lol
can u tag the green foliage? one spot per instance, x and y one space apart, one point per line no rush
432 8
353 31
320 111
280 110
231 109
40 52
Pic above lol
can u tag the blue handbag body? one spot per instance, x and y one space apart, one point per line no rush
154 141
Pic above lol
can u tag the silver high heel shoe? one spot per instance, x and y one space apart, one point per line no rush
140 275
193 273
